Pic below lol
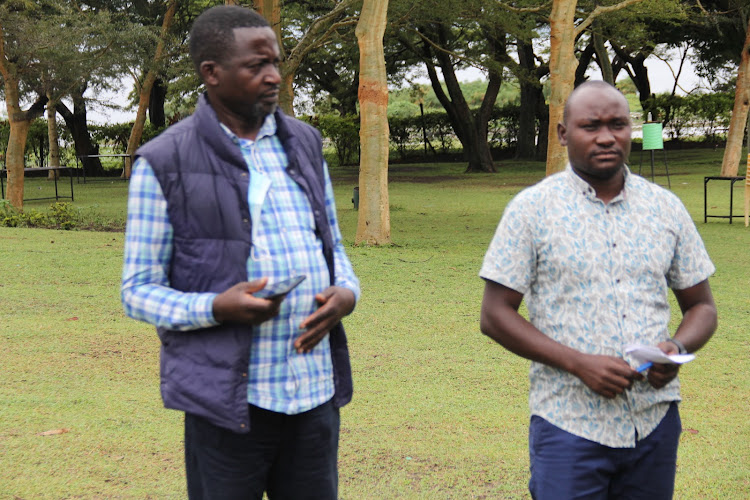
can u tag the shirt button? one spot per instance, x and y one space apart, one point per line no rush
244 374
242 426
617 281
614 245
624 316
246 220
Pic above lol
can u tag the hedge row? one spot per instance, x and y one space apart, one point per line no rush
701 115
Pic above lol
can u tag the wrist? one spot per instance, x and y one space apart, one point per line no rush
573 363
680 346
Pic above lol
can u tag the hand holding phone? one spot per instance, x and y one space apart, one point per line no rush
280 288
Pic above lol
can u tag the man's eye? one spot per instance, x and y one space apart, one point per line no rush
259 66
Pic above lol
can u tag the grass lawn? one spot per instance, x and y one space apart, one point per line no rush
439 410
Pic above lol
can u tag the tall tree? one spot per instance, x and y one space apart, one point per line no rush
15 64
646 30
330 73
85 48
733 150
563 63
533 107
302 28
374 223
144 92
451 36
77 123
724 29
34 69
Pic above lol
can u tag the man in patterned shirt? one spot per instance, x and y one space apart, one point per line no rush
593 251
220 204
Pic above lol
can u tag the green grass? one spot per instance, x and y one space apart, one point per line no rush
439 410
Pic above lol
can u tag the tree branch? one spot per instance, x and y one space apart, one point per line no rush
524 9
599 10
309 39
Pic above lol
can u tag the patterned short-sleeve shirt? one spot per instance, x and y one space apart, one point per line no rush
595 277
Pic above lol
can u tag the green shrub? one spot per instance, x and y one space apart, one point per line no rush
343 132
58 216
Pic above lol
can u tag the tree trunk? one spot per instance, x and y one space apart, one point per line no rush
602 56
145 90
562 66
14 161
271 10
733 151
19 121
54 143
470 130
79 129
543 113
584 61
374 222
638 74
286 91
531 93
156 113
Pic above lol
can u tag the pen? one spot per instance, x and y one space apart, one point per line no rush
645 366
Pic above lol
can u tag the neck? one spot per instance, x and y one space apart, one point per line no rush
243 126
605 188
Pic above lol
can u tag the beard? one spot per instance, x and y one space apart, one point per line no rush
256 113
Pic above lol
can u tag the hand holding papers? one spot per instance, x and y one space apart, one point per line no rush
644 353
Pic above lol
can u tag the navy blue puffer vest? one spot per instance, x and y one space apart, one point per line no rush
205 182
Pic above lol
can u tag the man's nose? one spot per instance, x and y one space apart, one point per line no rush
272 74
605 136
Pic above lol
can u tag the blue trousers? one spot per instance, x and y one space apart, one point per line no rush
287 456
565 466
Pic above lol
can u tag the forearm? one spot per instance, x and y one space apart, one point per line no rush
697 326
501 322
345 277
511 330
146 293
164 307
343 269
699 316
605 375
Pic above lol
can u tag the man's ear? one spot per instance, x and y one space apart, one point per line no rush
208 70
561 134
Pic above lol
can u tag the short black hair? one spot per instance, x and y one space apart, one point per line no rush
587 84
212 34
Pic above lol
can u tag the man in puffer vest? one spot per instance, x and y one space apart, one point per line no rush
223 204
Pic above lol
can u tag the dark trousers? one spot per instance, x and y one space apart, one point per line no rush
565 466
287 456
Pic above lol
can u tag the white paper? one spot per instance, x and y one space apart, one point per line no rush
643 353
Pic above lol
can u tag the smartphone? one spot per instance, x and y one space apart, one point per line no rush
280 288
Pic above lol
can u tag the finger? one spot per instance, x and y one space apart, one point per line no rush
322 298
607 393
320 315
315 332
255 285
308 341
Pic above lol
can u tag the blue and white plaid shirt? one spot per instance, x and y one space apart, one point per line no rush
284 244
